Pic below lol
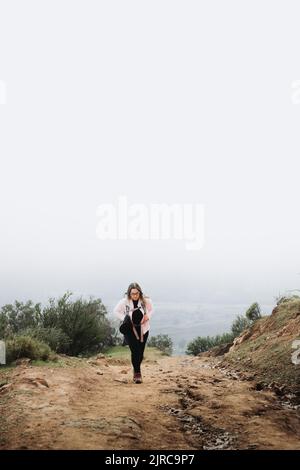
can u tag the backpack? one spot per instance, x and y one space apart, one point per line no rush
127 324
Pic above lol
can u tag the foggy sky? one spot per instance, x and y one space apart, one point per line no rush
164 102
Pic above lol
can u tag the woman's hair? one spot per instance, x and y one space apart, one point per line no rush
135 285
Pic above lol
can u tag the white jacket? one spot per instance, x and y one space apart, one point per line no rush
120 310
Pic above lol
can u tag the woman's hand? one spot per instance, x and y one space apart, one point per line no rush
145 318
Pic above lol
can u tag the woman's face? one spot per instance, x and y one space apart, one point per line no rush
134 294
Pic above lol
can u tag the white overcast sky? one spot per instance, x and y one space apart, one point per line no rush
164 102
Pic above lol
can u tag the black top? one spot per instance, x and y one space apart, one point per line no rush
137 315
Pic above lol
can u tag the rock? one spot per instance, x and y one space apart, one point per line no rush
99 372
280 390
249 377
5 388
240 339
36 381
277 388
22 361
93 363
258 386
42 382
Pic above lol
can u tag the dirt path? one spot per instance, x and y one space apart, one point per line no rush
184 403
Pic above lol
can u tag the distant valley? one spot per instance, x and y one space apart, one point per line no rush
185 321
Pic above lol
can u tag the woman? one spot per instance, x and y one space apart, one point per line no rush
140 309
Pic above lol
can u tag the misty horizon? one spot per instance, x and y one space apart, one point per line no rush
165 104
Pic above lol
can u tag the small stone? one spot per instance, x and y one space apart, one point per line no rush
23 361
5 388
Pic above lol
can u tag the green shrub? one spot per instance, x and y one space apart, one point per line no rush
26 346
18 316
198 345
3 326
240 324
253 313
84 322
56 339
72 327
163 343
202 344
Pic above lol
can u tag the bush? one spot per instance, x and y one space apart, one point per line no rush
56 339
198 345
83 322
26 346
223 339
253 313
284 299
3 326
18 316
72 327
239 325
162 342
116 337
202 344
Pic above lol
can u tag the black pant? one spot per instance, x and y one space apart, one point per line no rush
137 349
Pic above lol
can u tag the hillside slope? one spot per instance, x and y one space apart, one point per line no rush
266 349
